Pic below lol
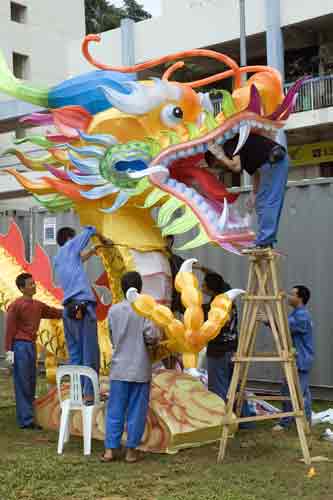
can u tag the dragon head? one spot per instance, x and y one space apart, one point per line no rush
122 147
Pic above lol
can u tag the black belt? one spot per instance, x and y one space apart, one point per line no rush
277 153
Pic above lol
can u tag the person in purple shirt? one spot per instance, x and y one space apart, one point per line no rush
80 323
301 327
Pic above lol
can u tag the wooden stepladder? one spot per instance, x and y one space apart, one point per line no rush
264 299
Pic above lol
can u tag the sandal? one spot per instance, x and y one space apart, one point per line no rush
106 460
137 458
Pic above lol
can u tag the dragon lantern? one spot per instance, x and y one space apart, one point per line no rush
126 155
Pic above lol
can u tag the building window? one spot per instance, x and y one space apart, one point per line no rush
50 228
18 12
326 169
20 65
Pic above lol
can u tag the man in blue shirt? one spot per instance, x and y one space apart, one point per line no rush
80 323
301 326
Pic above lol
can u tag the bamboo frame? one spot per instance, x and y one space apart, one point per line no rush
264 293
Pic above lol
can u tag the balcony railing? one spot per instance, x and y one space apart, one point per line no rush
315 93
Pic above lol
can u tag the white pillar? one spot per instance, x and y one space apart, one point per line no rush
127 42
274 44
246 180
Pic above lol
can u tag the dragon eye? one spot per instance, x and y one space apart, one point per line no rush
171 115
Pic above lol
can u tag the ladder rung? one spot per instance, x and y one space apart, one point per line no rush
263 297
260 359
265 397
259 252
257 418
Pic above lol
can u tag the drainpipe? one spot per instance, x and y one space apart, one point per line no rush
127 42
274 44
246 181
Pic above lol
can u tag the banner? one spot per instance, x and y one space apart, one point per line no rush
311 154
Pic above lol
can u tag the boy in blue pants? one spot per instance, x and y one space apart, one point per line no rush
80 322
130 376
300 325
267 162
22 324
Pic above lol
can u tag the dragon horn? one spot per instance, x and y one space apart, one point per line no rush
233 294
186 266
132 295
19 89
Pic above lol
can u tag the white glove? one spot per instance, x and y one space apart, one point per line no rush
10 357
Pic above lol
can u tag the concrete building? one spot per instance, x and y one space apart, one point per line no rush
35 35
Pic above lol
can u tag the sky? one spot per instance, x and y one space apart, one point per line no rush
152 6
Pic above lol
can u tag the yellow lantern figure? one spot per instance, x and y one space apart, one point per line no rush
191 336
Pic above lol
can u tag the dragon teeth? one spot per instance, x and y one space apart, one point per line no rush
171 183
190 151
181 187
212 217
189 192
198 199
200 148
220 140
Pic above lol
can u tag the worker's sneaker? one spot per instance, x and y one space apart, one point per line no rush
327 435
278 428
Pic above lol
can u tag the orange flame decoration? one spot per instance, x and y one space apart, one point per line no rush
235 71
40 267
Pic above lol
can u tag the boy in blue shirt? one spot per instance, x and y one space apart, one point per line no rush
80 323
301 326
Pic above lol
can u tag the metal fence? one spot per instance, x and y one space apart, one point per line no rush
315 93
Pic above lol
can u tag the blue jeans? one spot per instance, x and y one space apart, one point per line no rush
82 342
220 372
128 400
269 200
24 381
287 406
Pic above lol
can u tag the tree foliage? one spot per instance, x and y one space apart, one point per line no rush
103 16
135 11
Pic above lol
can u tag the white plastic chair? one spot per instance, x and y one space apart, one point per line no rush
75 402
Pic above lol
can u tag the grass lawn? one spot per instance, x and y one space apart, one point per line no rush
258 466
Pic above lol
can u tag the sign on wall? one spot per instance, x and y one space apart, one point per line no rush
49 231
311 154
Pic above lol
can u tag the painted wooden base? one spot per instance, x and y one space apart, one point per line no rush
182 414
